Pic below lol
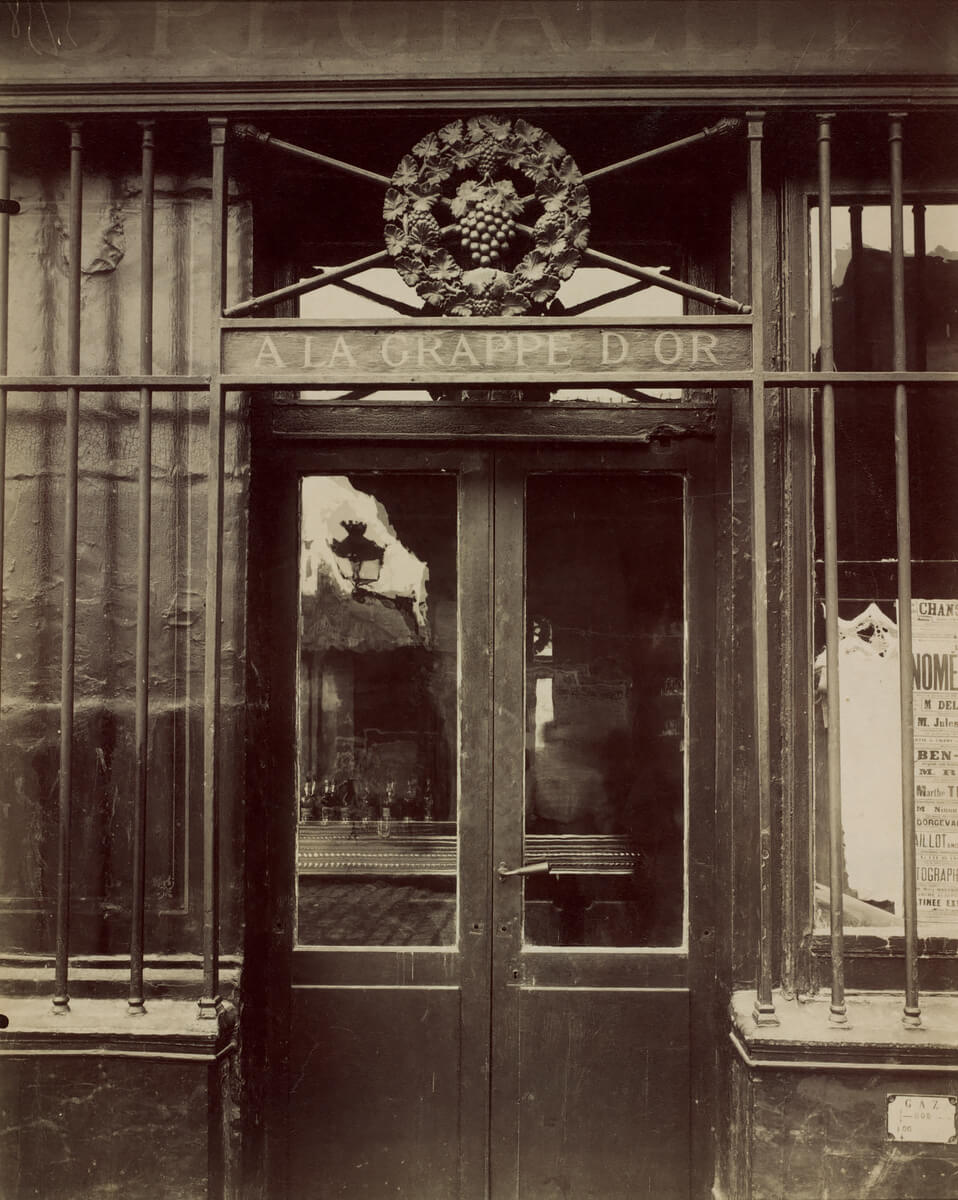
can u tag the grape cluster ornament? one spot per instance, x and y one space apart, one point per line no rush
486 217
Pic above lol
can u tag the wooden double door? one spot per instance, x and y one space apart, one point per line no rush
503 729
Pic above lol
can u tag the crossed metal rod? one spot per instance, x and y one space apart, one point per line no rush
647 276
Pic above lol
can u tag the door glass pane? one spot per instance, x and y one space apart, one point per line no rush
376 846
605 728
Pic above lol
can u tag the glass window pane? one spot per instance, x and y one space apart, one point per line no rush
376 843
605 685
867 568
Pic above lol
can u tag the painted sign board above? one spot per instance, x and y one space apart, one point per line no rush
487 351
142 42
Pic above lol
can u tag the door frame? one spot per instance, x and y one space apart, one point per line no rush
291 436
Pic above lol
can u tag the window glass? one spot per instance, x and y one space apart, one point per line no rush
869 703
376 847
605 711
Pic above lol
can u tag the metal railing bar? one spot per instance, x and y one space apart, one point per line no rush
4 344
838 1012
201 383
855 213
61 994
862 378
105 383
312 284
400 306
911 1015
761 714
248 132
921 283
640 285
651 276
136 1001
725 126
210 1003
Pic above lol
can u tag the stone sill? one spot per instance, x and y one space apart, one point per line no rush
874 1036
168 1029
885 943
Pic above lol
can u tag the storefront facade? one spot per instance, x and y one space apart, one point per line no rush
472 475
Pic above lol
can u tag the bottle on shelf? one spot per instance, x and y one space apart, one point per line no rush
365 804
327 802
305 802
410 804
384 824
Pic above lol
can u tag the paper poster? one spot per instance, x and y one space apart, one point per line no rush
935 646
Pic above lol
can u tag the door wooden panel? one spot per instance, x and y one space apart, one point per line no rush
498 1063
603 1096
374 1092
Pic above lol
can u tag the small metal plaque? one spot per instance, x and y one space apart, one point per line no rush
923 1119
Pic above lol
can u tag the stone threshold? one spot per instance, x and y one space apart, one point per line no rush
873 1037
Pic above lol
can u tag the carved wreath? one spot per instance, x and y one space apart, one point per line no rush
486 218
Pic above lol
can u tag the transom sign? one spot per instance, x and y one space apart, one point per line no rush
485 218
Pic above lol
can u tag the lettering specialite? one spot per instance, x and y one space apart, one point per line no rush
453 352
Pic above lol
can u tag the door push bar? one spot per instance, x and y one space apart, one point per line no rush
536 868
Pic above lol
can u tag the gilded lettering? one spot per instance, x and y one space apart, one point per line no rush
162 17
659 348
560 344
394 38
464 351
608 345
703 344
432 350
524 12
527 343
398 340
268 355
341 351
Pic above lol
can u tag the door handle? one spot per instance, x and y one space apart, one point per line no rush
537 868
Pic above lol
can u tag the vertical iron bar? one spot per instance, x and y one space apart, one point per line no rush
920 344
911 1016
764 1004
4 341
210 1001
136 1002
837 1011
860 361
61 996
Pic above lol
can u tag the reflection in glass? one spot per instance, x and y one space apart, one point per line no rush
376 834
605 784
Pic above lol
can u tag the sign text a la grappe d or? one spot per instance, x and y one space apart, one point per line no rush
482 352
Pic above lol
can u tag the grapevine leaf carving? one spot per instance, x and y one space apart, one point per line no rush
451 134
407 172
394 204
395 237
494 177
427 147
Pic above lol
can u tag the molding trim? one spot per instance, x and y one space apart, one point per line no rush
770 92
837 1064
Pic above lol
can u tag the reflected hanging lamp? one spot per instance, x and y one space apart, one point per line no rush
361 557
